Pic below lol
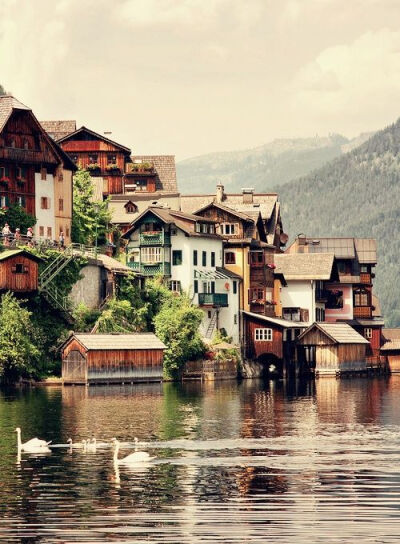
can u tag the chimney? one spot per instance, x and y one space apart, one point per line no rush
220 193
301 239
248 196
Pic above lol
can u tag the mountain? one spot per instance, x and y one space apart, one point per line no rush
267 166
357 194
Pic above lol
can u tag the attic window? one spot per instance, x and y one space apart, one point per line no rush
130 207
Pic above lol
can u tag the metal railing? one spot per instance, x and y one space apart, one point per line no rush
213 299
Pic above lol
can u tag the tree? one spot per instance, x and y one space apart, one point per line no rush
16 217
118 316
177 325
19 354
90 219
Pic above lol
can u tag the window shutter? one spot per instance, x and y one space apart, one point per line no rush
7 200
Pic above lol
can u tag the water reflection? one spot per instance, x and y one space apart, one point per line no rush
235 463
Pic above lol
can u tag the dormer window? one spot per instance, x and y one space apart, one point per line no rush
130 207
229 228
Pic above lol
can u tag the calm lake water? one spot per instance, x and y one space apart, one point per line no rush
234 463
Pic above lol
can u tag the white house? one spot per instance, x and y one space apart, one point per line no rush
186 250
303 297
44 205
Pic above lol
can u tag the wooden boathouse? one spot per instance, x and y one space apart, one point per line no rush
19 271
332 348
112 358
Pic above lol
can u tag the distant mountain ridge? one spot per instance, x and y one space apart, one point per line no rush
267 166
356 194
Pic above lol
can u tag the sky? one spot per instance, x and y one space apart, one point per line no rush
188 77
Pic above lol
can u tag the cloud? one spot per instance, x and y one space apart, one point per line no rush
352 79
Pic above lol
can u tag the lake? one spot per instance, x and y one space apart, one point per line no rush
234 463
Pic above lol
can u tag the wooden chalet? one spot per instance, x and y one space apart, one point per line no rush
27 157
270 341
390 351
332 348
112 358
247 253
19 271
105 159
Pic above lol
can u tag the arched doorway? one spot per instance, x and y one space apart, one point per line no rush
272 366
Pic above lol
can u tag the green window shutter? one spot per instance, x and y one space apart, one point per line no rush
196 286
7 200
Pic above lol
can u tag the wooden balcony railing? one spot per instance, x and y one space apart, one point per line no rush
26 156
365 278
362 311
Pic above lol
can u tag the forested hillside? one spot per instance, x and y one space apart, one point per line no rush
267 166
357 194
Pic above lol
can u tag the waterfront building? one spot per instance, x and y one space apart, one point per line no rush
112 358
186 250
19 271
35 173
350 297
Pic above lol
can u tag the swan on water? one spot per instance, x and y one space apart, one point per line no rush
35 445
76 444
91 445
131 459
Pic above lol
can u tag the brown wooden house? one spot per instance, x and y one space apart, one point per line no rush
331 348
105 159
19 271
112 358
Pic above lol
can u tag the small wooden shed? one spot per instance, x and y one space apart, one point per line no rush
112 358
19 271
332 348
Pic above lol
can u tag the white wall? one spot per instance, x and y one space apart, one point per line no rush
45 218
299 294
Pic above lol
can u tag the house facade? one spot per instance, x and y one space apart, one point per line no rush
350 297
185 249
35 173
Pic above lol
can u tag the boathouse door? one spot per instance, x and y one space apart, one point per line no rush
74 367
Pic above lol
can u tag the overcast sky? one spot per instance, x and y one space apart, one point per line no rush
188 77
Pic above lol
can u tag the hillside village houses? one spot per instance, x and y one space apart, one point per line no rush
226 251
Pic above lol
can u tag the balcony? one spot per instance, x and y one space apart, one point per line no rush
27 156
365 278
362 311
154 239
213 299
151 269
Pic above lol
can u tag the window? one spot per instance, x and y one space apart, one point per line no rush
19 268
44 203
60 204
256 257
4 173
230 257
256 294
174 231
320 315
177 257
196 286
151 254
74 158
212 258
21 173
263 335
292 314
235 320
130 207
364 269
3 201
41 231
204 228
209 287
195 257
43 174
368 333
211 229
175 286
49 233
21 201
197 227
92 158
334 300
235 287
229 228
204 258
111 159
361 297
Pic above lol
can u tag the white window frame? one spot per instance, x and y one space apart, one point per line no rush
175 286
229 229
263 335
151 254
368 333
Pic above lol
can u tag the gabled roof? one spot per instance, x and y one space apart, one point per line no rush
7 105
284 323
244 216
96 135
9 253
391 334
393 345
131 341
117 204
339 333
364 249
304 266
58 129
264 202
168 216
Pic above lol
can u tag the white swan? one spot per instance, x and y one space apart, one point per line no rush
91 445
133 458
35 445
72 445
